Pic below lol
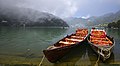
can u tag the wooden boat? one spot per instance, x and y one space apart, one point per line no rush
59 49
101 43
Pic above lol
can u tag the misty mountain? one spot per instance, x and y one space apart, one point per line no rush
93 20
76 22
106 18
16 16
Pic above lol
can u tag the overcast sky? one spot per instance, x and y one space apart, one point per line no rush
68 8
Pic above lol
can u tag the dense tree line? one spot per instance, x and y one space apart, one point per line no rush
114 24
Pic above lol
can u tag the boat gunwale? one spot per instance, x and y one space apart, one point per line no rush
110 47
59 47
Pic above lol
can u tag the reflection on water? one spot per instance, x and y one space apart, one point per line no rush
116 34
25 45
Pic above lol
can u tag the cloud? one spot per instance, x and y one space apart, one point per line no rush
85 17
67 8
61 8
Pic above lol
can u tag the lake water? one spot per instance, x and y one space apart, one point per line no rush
23 46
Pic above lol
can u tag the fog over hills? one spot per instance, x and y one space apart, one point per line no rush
106 18
94 20
19 16
76 22
40 13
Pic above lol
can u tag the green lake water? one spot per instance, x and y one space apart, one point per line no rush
23 47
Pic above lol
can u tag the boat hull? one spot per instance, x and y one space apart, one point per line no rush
55 54
59 49
104 56
104 52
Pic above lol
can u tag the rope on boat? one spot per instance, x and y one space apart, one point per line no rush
96 63
41 60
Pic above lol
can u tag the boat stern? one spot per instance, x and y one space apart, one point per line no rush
104 53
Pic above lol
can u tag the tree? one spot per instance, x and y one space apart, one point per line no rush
114 24
118 23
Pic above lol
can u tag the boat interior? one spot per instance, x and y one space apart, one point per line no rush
75 38
99 37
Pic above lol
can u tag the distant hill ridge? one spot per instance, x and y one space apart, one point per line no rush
106 18
94 20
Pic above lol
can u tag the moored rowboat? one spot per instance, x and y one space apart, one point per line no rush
101 43
59 49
